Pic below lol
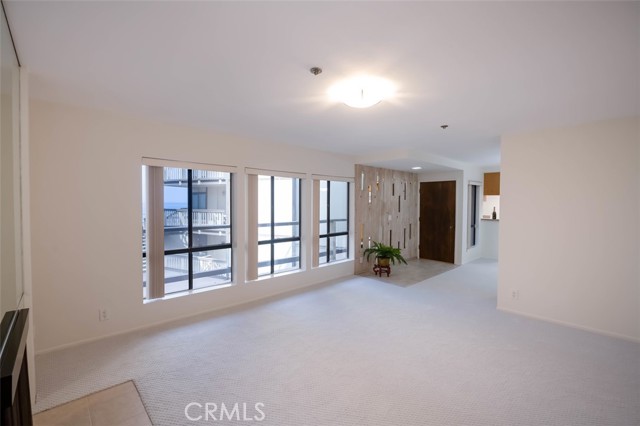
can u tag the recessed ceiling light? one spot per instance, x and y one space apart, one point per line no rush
416 168
361 92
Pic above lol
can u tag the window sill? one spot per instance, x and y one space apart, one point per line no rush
188 293
335 262
276 275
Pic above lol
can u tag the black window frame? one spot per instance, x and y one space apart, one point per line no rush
190 250
273 241
328 234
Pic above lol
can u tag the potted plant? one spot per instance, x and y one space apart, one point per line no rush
384 254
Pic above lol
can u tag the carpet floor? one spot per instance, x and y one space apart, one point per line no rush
362 352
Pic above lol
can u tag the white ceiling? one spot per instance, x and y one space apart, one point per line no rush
485 69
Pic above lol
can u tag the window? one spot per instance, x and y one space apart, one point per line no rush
333 221
186 230
473 216
278 224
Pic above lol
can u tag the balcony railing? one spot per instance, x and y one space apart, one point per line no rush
199 217
171 175
180 263
177 268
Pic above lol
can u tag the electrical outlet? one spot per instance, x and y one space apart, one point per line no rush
515 294
103 314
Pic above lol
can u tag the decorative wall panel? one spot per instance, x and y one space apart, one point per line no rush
386 211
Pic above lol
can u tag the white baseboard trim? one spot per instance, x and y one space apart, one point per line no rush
571 325
221 310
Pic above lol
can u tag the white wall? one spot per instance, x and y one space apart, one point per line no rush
489 238
489 203
577 262
86 212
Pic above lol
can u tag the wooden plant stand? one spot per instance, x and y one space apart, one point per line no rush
378 270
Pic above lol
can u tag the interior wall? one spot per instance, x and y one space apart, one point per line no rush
385 212
576 261
25 187
86 219
490 229
489 238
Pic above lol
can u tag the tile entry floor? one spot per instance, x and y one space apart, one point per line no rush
416 271
116 406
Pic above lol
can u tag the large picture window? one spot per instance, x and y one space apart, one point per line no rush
333 221
186 230
278 224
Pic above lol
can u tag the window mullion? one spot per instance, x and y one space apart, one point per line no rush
299 217
230 220
190 225
348 218
273 234
328 250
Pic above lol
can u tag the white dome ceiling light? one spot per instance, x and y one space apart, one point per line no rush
362 92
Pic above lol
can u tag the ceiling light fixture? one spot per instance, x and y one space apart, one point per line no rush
416 168
362 91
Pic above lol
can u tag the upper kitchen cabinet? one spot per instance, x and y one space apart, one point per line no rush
492 183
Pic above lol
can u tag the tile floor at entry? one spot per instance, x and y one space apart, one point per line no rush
116 406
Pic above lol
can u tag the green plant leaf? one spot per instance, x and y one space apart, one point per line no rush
380 250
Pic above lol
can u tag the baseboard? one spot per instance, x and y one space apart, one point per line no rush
221 310
571 325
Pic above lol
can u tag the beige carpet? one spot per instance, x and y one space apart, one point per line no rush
416 271
362 352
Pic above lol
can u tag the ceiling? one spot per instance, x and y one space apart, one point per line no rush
485 69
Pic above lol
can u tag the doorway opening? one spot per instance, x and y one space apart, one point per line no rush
438 220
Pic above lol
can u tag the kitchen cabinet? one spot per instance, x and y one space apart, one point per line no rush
492 183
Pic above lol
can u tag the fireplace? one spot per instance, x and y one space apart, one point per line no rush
14 384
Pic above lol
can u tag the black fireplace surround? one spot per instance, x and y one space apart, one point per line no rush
14 378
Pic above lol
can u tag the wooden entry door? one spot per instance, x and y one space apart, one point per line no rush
438 220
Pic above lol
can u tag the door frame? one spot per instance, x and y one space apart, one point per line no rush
458 177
